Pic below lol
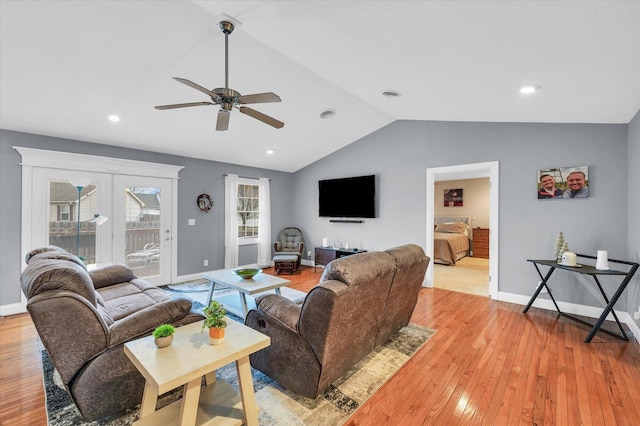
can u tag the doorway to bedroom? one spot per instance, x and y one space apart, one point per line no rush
470 271
461 243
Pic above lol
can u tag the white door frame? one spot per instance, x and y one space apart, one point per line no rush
40 158
468 171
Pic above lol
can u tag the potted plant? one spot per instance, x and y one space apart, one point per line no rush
164 335
216 322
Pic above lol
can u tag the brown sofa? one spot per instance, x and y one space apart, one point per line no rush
361 301
84 318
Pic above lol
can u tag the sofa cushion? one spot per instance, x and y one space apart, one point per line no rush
31 253
44 275
124 299
58 255
111 274
358 269
411 266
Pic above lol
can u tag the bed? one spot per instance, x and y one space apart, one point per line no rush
450 239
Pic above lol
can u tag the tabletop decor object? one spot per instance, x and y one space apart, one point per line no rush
216 322
602 261
163 335
247 273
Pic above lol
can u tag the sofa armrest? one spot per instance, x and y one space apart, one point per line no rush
146 320
110 275
289 360
280 309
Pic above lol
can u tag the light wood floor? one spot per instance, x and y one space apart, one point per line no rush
468 275
487 364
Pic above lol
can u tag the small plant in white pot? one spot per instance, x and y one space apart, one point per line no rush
164 335
215 321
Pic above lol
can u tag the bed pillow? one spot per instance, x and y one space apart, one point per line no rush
453 228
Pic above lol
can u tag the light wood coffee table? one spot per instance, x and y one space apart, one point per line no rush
185 362
258 284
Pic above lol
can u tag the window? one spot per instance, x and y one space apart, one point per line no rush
248 211
65 214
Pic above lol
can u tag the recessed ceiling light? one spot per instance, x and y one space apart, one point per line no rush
528 89
270 152
114 118
327 113
391 93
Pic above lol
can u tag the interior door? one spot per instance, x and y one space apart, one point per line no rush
143 226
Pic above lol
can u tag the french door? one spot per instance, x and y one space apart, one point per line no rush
142 226
101 208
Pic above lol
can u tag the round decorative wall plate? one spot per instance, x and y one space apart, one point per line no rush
204 202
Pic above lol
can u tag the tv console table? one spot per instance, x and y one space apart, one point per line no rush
587 270
324 255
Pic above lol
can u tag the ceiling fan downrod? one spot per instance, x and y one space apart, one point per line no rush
227 28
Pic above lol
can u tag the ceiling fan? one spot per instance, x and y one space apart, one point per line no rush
229 98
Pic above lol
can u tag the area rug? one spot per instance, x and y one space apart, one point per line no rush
277 406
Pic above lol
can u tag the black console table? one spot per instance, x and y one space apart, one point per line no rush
324 255
587 270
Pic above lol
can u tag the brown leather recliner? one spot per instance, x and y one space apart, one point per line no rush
361 300
84 318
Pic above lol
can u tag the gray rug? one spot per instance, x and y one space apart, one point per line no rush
277 405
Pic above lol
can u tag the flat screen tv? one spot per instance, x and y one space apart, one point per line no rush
348 197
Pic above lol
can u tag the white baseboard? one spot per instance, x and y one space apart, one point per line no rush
571 308
12 309
633 327
185 278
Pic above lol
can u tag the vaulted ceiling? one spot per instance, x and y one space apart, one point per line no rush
66 65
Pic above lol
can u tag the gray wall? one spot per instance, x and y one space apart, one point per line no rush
205 240
400 153
634 211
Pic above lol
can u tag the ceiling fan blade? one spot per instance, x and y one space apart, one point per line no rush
259 98
196 86
223 120
262 117
190 104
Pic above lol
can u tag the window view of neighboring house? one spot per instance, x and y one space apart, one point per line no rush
142 221
142 235
64 211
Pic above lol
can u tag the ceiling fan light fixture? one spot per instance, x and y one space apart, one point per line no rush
529 89
114 118
270 152
327 113
391 93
